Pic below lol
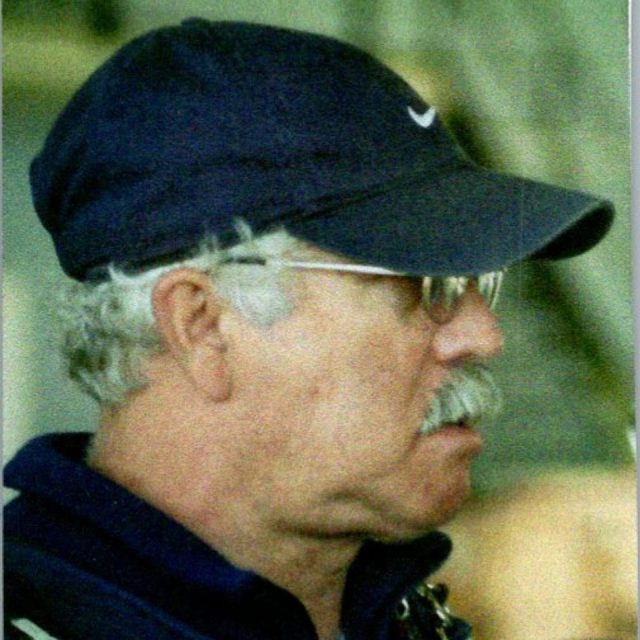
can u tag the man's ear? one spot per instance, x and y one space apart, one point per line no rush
187 315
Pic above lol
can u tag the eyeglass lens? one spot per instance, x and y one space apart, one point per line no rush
445 292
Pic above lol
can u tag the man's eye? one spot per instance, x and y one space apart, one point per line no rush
409 293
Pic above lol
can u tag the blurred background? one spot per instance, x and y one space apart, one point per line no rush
534 88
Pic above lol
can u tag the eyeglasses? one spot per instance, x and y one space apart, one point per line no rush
441 292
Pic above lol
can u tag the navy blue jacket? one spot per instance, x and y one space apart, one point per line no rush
86 559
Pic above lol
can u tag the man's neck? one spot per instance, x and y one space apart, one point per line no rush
222 514
314 570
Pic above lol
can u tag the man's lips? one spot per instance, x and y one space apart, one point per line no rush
464 424
459 433
461 426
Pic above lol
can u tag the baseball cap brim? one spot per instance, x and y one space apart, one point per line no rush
468 221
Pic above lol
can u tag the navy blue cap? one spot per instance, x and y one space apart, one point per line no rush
188 128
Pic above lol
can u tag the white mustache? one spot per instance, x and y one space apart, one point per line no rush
468 396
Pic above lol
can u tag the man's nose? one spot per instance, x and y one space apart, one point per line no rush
472 331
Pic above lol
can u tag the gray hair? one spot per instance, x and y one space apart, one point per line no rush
109 327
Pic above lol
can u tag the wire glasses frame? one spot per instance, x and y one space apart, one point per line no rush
441 291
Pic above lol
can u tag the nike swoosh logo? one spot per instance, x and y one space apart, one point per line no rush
426 119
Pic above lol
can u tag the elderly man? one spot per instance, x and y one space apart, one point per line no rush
286 270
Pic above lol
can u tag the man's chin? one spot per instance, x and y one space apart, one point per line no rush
411 527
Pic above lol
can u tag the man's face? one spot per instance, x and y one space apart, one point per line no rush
337 394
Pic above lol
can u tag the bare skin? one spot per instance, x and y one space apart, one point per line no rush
259 440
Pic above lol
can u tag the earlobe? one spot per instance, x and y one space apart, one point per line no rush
187 315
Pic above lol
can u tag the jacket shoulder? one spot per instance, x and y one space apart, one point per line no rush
68 603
